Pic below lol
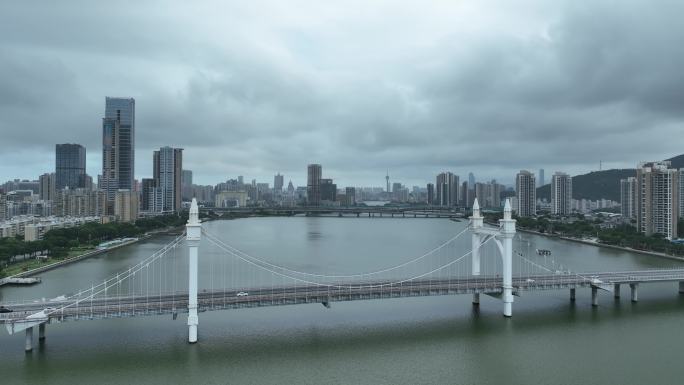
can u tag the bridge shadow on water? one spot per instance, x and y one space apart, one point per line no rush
248 340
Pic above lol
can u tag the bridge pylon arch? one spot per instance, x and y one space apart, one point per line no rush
503 236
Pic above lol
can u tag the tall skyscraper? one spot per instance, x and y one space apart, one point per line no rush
70 166
47 188
526 192
628 197
471 180
313 184
168 166
541 177
430 194
561 193
447 189
681 192
658 201
278 181
118 148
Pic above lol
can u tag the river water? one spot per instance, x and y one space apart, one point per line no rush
430 340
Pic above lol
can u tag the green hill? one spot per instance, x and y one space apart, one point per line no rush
594 185
601 184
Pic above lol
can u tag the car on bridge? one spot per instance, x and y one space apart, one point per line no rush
5 310
242 294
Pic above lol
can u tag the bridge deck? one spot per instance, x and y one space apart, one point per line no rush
134 306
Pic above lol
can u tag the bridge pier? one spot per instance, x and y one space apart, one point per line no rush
616 290
572 294
193 234
635 291
29 340
594 296
41 332
476 299
681 287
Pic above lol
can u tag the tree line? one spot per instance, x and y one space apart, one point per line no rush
56 243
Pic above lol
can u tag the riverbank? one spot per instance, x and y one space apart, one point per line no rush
89 254
594 243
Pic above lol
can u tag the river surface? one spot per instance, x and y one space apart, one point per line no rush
429 340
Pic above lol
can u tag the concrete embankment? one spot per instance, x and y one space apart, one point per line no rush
19 281
592 243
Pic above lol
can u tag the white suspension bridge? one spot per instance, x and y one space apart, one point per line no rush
239 280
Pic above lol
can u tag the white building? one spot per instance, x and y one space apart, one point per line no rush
658 201
561 193
526 194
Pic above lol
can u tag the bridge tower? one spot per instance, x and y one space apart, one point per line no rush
193 233
476 222
503 236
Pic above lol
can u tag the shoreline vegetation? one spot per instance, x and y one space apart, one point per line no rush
591 232
62 246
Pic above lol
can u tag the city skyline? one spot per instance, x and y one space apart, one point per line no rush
325 86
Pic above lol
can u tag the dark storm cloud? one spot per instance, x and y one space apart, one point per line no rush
262 87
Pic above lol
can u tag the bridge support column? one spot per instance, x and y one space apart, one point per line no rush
681 287
594 296
572 294
616 290
635 291
193 234
507 231
41 332
476 222
29 340
476 299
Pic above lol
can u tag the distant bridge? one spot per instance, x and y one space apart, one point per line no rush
358 211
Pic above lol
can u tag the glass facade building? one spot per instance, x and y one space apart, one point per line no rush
118 147
70 166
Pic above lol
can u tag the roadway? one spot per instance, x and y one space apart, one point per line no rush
219 299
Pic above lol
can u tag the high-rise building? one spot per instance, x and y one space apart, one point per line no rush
349 196
70 166
471 180
126 206
290 188
3 207
489 194
47 188
628 197
430 194
151 196
681 192
526 193
328 190
168 166
658 200
541 177
447 189
313 184
118 148
278 181
561 193
186 185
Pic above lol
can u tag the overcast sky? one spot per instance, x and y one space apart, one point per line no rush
258 87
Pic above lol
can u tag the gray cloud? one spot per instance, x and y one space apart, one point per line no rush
262 87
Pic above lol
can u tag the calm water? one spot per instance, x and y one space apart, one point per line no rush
402 341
